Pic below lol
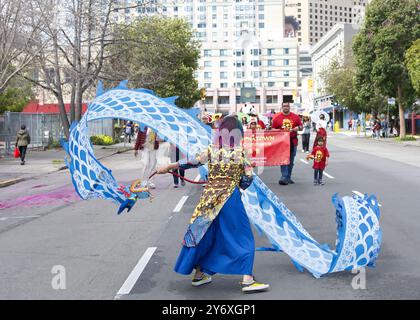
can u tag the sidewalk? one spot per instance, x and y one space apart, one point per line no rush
39 163
368 136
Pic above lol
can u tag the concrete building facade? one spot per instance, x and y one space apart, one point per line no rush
317 17
242 45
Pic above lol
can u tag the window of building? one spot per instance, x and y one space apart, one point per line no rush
207 75
223 63
271 63
286 84
207 53
207 64
223 85
207 85
270 52
286 73
271 84
223 100
272 99
223 75
261 25
238 74
286 62
286 51
209 100
224 52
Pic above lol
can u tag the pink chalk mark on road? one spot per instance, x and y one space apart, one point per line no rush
57 197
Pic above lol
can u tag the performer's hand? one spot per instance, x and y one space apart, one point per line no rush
163 170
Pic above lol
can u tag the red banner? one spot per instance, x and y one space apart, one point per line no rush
267 148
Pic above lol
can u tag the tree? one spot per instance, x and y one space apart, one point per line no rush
77 33
390 27
159 54
19 27
339 82
412 61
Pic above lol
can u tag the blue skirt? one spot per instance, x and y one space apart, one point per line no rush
227 247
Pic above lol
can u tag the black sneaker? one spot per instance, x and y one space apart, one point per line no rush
291 181
176 186
321 183
183 183
283 183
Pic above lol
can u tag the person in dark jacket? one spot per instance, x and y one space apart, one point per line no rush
23 139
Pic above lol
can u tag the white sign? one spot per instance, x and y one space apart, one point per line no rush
391 101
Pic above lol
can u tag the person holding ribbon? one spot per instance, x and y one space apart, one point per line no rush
219 238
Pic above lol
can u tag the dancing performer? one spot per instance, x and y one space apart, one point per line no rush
219 238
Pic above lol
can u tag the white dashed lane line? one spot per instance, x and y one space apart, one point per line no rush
180 204
136 273
362 195
325 173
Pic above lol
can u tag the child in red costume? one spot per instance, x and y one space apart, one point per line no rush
320 156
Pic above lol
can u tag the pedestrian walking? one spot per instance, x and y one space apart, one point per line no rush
146 146
321 130
23 140
128 131
376 129
306 134
219 238
320 157
175 157
350 124
384 128
290 122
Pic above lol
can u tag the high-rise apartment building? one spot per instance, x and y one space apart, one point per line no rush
317 17
242 45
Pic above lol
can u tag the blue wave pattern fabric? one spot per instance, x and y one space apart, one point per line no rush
359 235
90 178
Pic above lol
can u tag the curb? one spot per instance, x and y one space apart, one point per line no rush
7 183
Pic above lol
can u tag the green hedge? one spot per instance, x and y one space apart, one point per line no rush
102 140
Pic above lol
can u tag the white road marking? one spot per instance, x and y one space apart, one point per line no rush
180 204
197 178
328 175
362 195
25 217
136 273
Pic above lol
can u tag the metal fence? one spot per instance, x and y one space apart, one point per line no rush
44 129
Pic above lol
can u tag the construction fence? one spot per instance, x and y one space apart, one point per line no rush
45 129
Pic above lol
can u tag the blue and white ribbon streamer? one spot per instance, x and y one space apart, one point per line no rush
359 235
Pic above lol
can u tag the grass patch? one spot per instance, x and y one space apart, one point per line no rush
58 161
406 138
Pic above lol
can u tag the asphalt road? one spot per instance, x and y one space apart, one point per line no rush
100 255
